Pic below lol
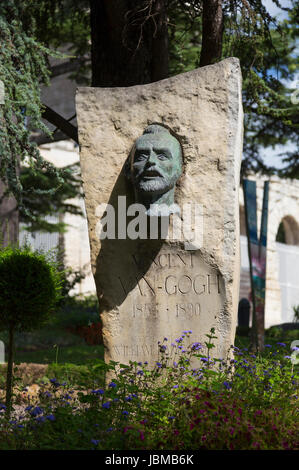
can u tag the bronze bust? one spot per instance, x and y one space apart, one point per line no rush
154 166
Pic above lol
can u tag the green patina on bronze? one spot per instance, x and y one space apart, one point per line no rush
154 166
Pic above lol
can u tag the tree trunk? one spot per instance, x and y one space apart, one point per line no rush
9 219
9 375
212 30
129 42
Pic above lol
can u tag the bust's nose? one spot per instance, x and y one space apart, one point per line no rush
152 159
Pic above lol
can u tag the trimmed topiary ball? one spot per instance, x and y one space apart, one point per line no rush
30 286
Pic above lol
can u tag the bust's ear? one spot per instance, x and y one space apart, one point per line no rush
129 163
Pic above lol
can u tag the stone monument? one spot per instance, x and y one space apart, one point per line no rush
158 150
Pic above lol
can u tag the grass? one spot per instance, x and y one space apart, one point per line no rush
78 355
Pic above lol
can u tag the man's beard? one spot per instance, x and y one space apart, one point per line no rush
158 185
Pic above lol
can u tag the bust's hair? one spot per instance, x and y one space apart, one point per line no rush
156 129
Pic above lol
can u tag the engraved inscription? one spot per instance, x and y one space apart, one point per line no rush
135 350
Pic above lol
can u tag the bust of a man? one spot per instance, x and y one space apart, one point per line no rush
154 166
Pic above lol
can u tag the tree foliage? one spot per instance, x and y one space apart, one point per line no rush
43 206
23 67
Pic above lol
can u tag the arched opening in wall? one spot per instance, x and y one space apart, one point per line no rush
287 246
288 231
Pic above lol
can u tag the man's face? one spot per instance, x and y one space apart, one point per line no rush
157 163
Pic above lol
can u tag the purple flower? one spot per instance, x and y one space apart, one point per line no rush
295 348
175 364
112 385
40 419
204 359
146 363
95 441
281 344
55 382
171 417
175 386
165 339
100 391
287 357
268 346
36 411
227 385
106 405
125 413
2 407
51 417
140 372
158 364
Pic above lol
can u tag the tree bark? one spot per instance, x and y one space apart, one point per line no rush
129 42
9 374
9 218
212 30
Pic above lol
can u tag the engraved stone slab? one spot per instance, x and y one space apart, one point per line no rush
152 288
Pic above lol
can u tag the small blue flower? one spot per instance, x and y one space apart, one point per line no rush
125 413
100 391
36 411
204 359
50 417
287 357
146 363
281 344
95 441
109 429
55 382
2 407
112 385
171 417
40 419
140 372
158 364
165 339
268 346
106 405
227 385
175 386
28 408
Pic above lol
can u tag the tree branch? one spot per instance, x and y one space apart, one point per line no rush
61 123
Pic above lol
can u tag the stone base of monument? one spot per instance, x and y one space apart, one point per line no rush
151 288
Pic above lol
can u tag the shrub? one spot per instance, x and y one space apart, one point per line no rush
30 286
